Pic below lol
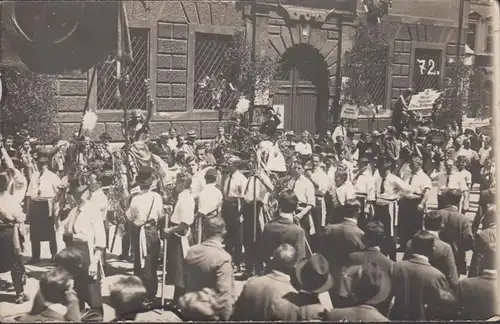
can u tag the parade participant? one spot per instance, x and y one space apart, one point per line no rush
209 201
305 192
465 150
198 177
413 204
303 148
387 189
462 163
233 189
12 239
27 159
144 212
401 109
9 146
362 145
313 278
373 238
320 181
421 292
201 158
347 165
258 295
392 146
344 191
256 196
17 181
189 146
209 157
450 179
340 130
177 234
283 230
487 197
83 229
363 185
41 192
366 285
375 144
347 238
271 122
289 142
172 139
441 257
99 200
208 265
485 151
221 138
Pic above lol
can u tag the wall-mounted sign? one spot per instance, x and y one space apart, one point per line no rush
349 111
426 69
423 102
280 110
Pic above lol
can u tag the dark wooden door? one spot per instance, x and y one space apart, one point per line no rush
299 96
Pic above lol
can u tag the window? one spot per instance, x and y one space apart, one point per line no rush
210 67
377 76
107 85
426 69
471 36
489 40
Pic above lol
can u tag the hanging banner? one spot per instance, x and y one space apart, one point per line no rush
280 110
423 102
349 111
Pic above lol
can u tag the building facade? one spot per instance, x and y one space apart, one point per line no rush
176 44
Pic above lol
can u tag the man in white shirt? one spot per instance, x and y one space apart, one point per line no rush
42 190
485 151
172 139
100 201
319 178
413 204
451 179
306 195
363 181
304 147
340 130
388 188
210 200
344 191
144 212
233 188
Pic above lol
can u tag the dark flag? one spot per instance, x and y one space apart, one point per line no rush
54 37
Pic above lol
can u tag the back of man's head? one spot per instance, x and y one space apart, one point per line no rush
288 202
423 243
433 221
126 296
374 234
54 284
211 175
284 258
213 227
352 208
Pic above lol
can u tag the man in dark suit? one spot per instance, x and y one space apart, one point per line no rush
372 239
442 256
283 230
486 198
56 286
208 265
477 297
421 292
257 297
456 231
484 242
340 241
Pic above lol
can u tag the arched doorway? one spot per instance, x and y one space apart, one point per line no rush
303 89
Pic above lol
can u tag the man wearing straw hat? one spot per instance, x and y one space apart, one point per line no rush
388 187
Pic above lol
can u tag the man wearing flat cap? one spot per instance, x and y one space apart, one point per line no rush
43 188
189 146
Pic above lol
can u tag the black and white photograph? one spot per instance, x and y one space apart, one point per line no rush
249 160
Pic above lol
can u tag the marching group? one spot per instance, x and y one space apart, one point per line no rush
313 215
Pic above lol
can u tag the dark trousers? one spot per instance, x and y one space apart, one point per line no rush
233 240
10 258
253 260
382 215
41 228
88 290
147 273
317 239
411 220
126 241
442 203
363 216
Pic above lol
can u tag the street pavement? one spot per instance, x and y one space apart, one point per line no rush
9 310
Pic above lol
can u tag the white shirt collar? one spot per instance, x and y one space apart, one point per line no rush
287 216
354 220
435 233
58 308
281 274
420 257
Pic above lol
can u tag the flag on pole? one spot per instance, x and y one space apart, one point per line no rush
55 37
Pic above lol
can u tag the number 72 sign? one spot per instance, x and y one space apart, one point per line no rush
427 67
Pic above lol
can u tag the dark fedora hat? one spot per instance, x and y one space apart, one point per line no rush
367 284
313 274
145 177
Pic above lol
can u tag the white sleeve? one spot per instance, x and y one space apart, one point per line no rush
187 211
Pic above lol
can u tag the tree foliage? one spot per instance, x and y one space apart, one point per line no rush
365 66
30 103
460 92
